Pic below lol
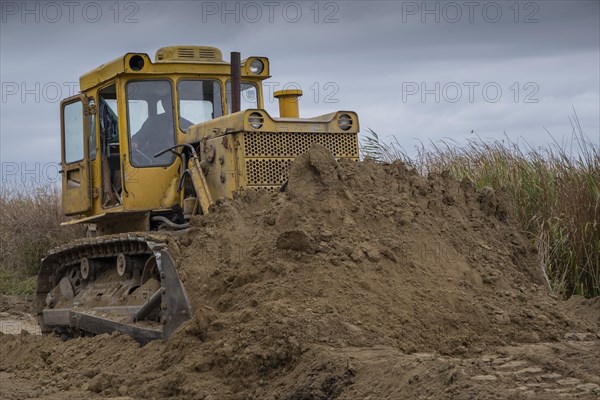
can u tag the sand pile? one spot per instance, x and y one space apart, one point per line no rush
363 255
300 294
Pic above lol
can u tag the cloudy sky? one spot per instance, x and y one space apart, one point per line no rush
413 70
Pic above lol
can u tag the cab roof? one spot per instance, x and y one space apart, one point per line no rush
203 60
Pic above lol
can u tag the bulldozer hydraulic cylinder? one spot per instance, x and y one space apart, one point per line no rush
148 306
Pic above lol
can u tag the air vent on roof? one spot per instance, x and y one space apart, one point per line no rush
185 52
209 54
189 54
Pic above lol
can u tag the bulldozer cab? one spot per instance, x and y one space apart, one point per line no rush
130 110
137 120
118 171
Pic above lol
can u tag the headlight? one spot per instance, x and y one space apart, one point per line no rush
136 63
345 122
256 67
255 120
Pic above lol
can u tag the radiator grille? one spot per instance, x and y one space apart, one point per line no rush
270 189
267 171
268 156
287 144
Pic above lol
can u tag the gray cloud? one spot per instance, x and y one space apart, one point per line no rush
371 54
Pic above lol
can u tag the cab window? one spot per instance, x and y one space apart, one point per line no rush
150 122
199 101
248 98
73 132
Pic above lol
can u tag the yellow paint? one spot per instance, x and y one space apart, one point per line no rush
227 146
288 102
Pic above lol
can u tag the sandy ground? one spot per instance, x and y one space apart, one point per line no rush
361 281
566 368
16 316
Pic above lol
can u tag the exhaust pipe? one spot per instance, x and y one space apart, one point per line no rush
288 102
236 81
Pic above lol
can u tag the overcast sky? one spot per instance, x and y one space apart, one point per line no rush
414 70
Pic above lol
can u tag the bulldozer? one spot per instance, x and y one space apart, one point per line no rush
146 146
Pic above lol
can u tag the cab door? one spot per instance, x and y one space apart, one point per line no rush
75 162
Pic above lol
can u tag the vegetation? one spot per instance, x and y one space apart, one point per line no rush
555 190
12 282
29 225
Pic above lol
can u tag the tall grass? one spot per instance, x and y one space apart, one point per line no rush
555 190
30 220
556 193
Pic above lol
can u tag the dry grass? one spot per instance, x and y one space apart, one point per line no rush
556 193
29 225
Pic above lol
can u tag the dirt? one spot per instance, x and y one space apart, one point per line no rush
588 309
360 281
16 315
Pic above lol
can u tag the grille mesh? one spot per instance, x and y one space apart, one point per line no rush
267 171
287 144
268 156
270 189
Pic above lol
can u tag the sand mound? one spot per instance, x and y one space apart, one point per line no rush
300 294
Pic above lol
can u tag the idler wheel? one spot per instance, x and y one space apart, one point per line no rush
87 268
123 264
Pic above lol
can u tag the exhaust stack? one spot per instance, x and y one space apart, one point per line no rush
288 102
236 81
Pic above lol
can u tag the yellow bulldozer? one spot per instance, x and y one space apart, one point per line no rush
145 147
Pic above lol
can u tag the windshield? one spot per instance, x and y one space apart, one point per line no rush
150 122
248 97
199 101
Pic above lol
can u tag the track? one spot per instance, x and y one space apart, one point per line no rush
126 283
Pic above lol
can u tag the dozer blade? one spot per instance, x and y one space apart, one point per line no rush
125 283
